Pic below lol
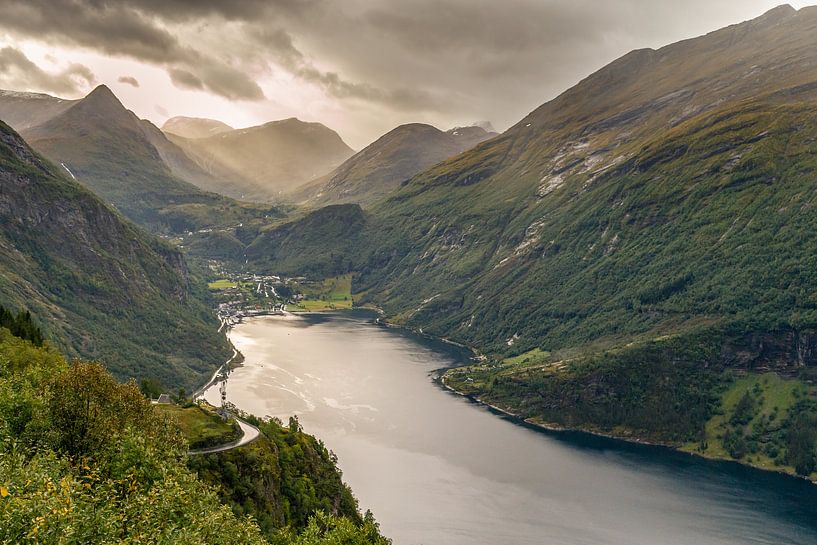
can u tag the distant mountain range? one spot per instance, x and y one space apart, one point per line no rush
169 179
194 127
378 169
260 163
125 160
101 287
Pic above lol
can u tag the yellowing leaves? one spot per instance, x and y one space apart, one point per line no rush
4 492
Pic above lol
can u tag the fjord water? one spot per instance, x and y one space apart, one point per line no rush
437 469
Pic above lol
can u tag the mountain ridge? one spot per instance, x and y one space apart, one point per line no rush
125 160
194 127
378 169
263 162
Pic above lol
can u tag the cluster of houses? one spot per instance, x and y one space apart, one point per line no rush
254 295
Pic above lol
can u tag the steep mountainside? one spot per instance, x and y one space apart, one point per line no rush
377 170
320 243
632 239
194 127
126 161
106 289
624 184
177 161
261 163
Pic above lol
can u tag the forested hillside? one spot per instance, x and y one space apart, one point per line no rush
84 459
103 288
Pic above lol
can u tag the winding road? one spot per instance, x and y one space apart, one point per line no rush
249 434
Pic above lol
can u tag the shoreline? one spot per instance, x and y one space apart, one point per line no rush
439 379
199 392
556 429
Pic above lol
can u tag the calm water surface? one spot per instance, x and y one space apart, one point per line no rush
436 469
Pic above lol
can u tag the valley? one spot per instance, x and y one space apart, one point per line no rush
470 476
596 326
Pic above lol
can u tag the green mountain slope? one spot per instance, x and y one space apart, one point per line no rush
106 289
260 163
607 199
633 241
377 170
322 243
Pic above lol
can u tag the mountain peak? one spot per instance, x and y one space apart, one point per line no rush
774 16
102 92
781 11
484 125
194 127
102 102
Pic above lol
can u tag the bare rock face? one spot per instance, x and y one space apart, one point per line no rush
785 352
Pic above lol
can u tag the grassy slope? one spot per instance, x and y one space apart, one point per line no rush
201 426
329 294
776 398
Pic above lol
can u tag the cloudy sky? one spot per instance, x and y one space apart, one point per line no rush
359 66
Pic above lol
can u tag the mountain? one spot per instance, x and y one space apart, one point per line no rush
626 249
26 110
194 127
378 169
605 191
100 287
484 125
125 160
260 163
317 244
177 161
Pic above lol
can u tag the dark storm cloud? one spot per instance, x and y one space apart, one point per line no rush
185 80
18 71
129 29
128 80
498 60
457 59
279 44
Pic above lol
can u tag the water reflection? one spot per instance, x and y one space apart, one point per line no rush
437 469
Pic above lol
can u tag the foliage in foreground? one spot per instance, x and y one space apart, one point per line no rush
84 459
280 480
